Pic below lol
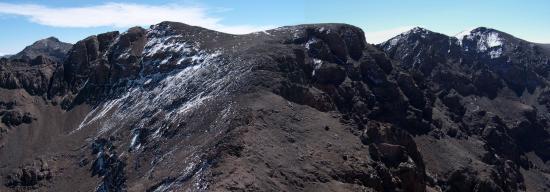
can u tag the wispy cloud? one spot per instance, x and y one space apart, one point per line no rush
375 37
122 15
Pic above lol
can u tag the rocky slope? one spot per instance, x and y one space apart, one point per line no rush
297 108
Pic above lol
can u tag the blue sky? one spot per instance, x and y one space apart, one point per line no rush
25 21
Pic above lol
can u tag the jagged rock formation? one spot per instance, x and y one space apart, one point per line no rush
297 108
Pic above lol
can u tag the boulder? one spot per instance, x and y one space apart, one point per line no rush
15 118
29 175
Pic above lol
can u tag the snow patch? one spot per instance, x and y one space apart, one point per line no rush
157 45
134 143
311 41
463 34
394 41
139 100
487 41
317 64
98 113
493 40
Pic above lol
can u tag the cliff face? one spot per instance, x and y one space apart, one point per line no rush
298 108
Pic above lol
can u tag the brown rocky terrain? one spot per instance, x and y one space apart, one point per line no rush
297 108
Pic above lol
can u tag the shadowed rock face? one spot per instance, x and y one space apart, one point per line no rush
297 108
33 76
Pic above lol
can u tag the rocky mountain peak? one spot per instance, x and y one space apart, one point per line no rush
417 34
172 25
50 39
476 31
481 31
419 30
480 42
495 44
50 47
488 36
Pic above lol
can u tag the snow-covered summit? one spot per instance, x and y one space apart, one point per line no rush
483 40
486 38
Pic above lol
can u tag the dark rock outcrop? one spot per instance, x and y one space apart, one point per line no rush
33 76
29 176
15 118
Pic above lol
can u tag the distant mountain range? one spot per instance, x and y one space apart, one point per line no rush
297 108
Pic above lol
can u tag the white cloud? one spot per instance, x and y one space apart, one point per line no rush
122 15
375 37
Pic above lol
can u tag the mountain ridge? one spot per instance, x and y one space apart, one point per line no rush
310 107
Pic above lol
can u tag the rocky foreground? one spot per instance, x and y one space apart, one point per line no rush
298 108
